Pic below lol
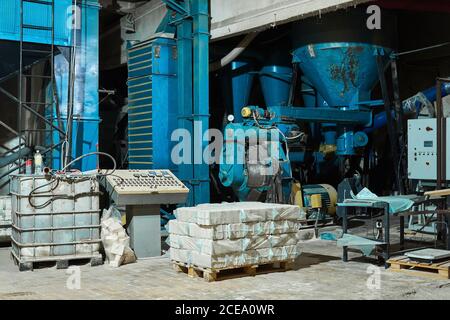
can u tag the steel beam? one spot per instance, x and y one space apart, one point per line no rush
348 117
30 109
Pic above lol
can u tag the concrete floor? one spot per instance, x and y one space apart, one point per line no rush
319 274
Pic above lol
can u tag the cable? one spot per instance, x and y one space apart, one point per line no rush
276 128
57 179
90 154
422 49
282 134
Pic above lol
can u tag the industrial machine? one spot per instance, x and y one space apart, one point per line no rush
269 149
142 192
319 201
323 136
315 115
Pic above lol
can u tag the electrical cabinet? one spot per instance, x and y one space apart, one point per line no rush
422 149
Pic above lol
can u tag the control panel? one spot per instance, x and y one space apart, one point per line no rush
422 149
142 187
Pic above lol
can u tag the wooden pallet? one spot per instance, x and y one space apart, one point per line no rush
211 274
62 262
404 264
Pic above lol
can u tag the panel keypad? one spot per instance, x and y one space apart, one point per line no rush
145 181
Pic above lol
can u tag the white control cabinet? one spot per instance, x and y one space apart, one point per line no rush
422 149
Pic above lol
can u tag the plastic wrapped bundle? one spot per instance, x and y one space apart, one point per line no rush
231 235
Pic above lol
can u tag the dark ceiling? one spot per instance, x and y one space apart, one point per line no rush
416 5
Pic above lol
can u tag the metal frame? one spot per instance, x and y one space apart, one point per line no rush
391 125
386 226
386 254
441 129
21 99
22 77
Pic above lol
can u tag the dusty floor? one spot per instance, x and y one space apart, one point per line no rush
319 274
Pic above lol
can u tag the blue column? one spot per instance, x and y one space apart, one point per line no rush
200 15
184 44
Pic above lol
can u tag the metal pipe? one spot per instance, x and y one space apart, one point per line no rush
412 105
441 135
37 114
8 127
43 151
7 173
67 151
4 161
392 128
438 134
233 53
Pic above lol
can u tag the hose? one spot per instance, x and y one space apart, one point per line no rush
90 154
233 53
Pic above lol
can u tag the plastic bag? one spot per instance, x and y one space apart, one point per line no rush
115 240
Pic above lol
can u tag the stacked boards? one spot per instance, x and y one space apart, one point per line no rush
233 235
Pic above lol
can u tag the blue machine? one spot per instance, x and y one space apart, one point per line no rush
339 76
276 83
152 104
188 98
344 75
242 75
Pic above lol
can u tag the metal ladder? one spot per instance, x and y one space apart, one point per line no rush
26 75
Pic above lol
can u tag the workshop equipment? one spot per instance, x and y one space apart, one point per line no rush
401 206
307 197
340 69
346 188
143 192
55 219
152 106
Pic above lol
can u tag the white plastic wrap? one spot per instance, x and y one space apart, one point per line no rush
5 218
240 212
230 235
221 247
233 230
235 260
115 240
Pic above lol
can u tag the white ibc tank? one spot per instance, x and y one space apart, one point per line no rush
57 216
